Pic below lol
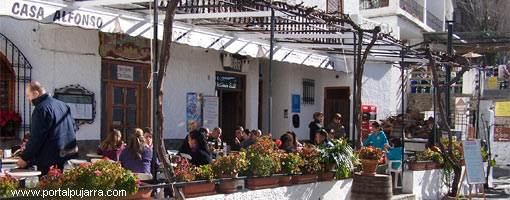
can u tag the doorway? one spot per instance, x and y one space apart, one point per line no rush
336 100
124 96
231 92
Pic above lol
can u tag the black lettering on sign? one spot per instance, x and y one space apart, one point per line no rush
56 16
77 19
99 22
93 21
15 8
64 16
25 10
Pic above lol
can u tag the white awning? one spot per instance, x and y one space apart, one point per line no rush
118 21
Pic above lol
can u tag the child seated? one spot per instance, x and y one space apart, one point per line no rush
395 152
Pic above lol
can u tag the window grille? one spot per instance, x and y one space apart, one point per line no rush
308 91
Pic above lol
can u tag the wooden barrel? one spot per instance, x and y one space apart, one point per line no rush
371 187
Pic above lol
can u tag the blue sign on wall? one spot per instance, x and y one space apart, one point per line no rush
296 103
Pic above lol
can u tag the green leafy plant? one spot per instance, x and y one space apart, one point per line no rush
311 161
290 163
230 164
186 172
204 172
430 155
7 184
101 175
262 157
341 156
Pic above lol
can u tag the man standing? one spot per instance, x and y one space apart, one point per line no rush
52 140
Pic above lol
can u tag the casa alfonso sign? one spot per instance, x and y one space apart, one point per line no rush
49 12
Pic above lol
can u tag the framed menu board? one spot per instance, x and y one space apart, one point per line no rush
474 163
80 101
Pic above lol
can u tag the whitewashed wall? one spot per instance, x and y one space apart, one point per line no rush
60 56
327 190
378 88
193 69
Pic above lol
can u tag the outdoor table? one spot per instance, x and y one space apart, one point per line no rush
10 160
23 173
94 155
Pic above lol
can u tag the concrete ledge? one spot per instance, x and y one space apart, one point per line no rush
339 189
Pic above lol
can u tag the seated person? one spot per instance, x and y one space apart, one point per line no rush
287 143
204 131
200 153
377 138
112 146
331 134
295 141
395 152
215 137
250 139
321 138
239 133
147 134
137 156
18 149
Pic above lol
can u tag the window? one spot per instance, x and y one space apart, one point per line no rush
308 91
334 7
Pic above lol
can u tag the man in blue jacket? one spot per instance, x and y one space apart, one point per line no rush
53 140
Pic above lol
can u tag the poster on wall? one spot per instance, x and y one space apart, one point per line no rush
210 112
193 111
501 133
503 109
296 103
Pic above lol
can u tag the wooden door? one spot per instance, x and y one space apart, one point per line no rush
336 100
124 112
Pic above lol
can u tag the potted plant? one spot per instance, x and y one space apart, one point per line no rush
10 121
101 175
310 166
262 160
433 155
8 184
202 175
290 163
228 167
370 158
339 157
420 162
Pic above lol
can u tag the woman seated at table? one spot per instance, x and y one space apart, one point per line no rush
137 156
112 145
394 153
287 143
200 152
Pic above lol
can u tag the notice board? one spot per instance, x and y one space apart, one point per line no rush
503 109
210 112
501 133
473 159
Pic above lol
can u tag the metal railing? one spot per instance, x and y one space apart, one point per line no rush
413 8
21 77
371 4
434 22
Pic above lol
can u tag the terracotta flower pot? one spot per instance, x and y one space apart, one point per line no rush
305 178
285 181
418 166
262 183
141 194
197 190
227 187
369 167
326 176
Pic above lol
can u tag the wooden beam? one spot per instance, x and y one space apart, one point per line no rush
106 2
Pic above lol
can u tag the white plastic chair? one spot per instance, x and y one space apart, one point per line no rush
398 172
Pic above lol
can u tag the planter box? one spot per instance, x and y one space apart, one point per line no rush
305 178
199 189
227 187
326 176
141 194
418 166
285 181
262 183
